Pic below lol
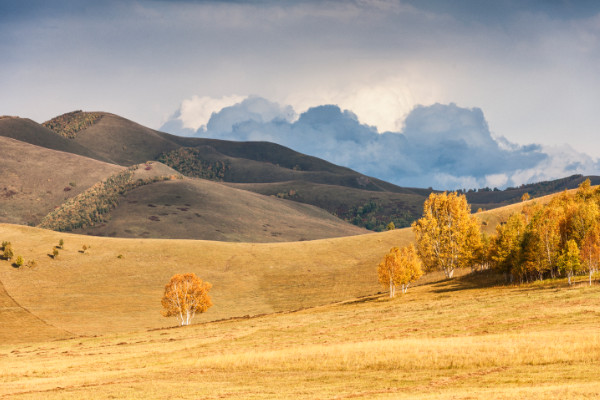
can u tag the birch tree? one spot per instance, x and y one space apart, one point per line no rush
185 295
590 250
568 262
399 267
447 234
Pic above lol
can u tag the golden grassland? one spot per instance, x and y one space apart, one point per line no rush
88 325
442 340
116 285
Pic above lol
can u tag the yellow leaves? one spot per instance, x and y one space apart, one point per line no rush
184 296
448 236
400 267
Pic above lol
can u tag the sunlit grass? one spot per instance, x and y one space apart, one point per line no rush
443 340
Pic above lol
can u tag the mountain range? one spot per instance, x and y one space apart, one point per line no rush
226 191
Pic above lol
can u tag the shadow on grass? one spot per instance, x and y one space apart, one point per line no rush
473 280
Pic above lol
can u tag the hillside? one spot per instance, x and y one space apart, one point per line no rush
201 209
107 293
28 131
98 292
122 141
264 168
457 339
468 337
35 180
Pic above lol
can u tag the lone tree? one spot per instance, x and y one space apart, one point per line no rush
400 267
185 295
448 236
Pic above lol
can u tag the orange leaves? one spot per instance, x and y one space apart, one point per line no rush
184 296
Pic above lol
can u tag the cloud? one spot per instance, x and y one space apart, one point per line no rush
442 146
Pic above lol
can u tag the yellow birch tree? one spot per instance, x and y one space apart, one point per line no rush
590 250
447 234
399 267
184 296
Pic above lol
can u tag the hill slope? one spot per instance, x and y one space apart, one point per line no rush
28 131
201 209
443 340
35 180
272 169
98 292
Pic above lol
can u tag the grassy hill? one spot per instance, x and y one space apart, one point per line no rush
260 167
34 180
28 131
201 209
99 292
115 286
152 200
457 339
469 337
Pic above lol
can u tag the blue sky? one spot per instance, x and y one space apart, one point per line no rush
528 68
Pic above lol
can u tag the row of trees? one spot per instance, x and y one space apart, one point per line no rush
561 238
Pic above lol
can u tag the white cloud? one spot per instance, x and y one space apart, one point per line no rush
496 180
195 113
441 146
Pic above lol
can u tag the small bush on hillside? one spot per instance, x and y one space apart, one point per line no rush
61 243
55 253
8 253
19 262
31 264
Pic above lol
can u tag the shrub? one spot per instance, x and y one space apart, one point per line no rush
19 262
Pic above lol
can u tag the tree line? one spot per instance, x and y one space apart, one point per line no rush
541 241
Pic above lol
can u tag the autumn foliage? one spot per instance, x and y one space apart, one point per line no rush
400 267
185 295
448 236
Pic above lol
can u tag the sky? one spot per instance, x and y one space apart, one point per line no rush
466 93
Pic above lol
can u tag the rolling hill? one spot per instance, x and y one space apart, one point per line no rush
151 200
34 180
28 131
259 167
116 285
327 332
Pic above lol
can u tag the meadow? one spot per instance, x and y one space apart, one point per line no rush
302 320
465 338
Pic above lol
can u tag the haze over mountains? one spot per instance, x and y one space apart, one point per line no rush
296 197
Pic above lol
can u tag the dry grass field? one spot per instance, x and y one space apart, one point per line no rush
298 320
98 292
442 340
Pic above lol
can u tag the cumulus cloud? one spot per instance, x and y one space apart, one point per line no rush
443 146
195 113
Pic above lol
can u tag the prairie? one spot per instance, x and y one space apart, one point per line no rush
116 284
300 320
457 339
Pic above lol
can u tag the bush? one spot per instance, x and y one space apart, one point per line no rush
19 262
8 253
